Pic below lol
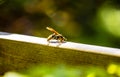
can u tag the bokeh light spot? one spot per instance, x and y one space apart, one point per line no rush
112 68
110 18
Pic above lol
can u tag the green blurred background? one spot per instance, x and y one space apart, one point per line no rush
94 22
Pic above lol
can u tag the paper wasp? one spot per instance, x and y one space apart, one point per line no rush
55 36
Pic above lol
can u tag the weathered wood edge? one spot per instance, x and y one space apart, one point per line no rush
68 45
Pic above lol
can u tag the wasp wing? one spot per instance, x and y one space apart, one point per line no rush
52 30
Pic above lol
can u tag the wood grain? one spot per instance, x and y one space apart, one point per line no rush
18 52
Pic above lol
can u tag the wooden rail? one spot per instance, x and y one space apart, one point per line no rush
21 51
67 45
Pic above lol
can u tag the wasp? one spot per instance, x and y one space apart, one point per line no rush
55 36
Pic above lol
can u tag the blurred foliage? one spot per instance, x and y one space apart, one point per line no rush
110 16
86 21
113 70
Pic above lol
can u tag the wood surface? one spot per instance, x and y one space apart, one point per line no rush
18 52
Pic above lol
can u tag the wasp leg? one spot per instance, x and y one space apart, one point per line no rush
59 44
48 39
60 41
